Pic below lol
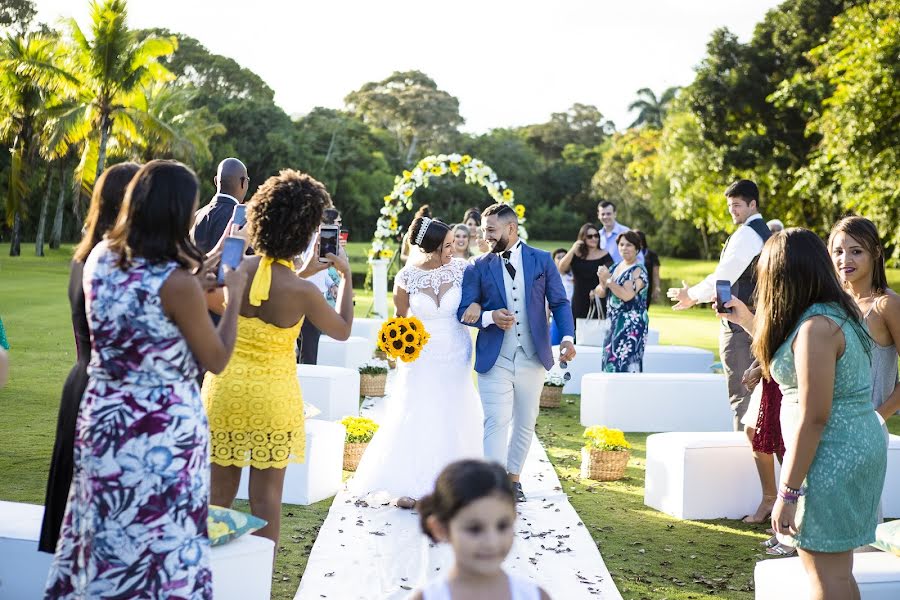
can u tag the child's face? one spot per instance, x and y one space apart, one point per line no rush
482 534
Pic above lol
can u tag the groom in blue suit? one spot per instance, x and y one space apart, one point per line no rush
512 285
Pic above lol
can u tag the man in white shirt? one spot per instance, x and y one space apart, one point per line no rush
737 265
609 233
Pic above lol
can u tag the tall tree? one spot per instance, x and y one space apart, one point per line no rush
412 108
652 111
583 125
17 15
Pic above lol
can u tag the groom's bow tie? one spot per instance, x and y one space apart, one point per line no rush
509 268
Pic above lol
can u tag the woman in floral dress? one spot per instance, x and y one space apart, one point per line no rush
135 521
627 285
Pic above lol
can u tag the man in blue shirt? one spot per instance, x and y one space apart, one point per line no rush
606 212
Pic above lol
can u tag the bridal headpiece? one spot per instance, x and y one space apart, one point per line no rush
422 229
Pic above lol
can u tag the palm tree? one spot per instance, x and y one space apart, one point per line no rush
652 112
29 79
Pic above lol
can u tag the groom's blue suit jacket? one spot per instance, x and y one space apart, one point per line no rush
483 283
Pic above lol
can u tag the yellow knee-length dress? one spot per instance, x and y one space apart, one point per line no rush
254 406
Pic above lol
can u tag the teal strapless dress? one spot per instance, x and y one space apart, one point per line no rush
843 486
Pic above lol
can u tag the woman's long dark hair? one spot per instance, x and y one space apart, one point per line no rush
156 216
583 251
864 231
106 202
794 272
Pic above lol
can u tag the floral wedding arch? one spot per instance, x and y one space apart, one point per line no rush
473 169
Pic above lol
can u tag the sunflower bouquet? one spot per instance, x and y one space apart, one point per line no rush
403 338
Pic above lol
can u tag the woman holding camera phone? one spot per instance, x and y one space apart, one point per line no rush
255 405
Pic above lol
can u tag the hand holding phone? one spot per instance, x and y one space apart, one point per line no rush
723 295
232 254
328 241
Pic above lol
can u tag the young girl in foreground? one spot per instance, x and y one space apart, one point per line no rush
473 508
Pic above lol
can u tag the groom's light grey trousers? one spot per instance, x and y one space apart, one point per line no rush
511 393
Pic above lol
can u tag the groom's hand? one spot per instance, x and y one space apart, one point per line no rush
503 318
566 351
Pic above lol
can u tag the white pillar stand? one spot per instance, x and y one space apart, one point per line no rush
379 286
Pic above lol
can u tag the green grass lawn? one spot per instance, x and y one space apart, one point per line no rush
649 554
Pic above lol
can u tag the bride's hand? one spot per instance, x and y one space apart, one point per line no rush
472 314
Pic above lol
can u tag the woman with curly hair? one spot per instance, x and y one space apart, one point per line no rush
255 407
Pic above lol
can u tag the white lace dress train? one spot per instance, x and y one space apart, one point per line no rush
433 413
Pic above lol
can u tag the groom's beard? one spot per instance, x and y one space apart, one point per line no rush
501 244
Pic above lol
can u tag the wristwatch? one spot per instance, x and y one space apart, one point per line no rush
608 281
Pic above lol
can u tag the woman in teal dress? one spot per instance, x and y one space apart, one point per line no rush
809 336
626 285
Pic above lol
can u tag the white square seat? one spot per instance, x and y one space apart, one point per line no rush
653 337
317 478
890 497
676 359
367 329
656 401
588 359
351 353
876 573
333 390
242 568
701 475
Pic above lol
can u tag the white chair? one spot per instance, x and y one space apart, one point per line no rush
656 401
242 568
653 337
351 353
317 478
876 573
589 359
693 475
368 329
676 359
333 390
890 497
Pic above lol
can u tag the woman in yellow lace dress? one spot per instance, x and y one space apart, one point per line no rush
255 407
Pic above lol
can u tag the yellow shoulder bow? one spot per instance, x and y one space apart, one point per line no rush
262 281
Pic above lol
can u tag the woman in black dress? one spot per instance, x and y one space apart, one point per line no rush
583 260
106 200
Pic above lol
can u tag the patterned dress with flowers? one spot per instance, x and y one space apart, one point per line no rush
623 351
135 522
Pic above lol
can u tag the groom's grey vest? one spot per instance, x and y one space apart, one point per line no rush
520 333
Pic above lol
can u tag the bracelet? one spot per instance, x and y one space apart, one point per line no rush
789 495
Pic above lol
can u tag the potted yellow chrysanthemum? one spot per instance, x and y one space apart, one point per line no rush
605 454
551 395
360 431
373 377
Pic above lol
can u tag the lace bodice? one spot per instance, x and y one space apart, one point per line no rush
429 289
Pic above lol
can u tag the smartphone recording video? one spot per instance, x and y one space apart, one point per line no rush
232 254
328 241
723 295
239 216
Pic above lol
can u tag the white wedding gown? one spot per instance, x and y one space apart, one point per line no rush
433 413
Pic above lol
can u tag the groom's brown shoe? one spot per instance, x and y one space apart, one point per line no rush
517 490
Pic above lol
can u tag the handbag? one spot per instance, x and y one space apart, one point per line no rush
591 331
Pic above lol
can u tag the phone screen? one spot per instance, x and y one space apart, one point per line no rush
723 295
328 241
239 216
232 253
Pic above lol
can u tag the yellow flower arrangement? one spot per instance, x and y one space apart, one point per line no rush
520 208
403 338
360 430
604 438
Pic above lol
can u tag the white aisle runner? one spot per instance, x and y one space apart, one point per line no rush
379 553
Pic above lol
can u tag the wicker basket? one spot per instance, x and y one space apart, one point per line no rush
372 385
353 452
603 465
551 396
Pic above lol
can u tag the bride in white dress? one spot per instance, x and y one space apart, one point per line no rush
433 413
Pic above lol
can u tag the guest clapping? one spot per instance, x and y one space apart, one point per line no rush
583 260
809 335
255 406
858 257
136 517
626 287
106 202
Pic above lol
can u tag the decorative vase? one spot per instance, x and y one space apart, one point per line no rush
371 384
353 452
551 396
603 465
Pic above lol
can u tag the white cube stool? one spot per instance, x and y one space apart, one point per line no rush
317 478
693 475
589 359
890 497
350 353
242 568
676 359
368 329
656 401
876 573
653 337
23 570
333 390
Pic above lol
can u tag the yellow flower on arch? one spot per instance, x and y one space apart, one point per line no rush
507 194
520 208
466 159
